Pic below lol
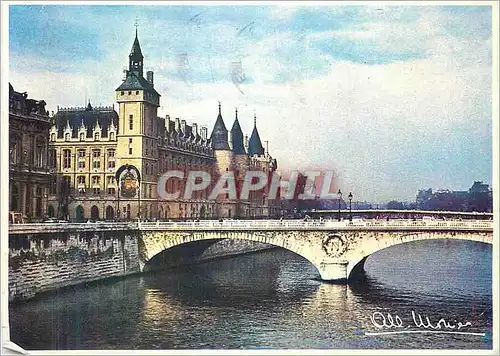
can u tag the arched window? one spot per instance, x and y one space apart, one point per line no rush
94 212
79 213
50 211
110 213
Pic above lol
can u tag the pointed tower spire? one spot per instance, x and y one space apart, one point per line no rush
254 144
136 57
237 137
219 137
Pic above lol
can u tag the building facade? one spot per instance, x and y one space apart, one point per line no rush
106 164
29 176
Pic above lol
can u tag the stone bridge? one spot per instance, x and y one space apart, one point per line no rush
338 249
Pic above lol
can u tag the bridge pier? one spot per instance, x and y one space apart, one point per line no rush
333 272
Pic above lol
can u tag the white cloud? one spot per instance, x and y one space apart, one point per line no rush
387 129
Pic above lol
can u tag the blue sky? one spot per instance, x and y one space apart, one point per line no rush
393 98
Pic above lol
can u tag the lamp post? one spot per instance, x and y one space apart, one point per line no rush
350 206
339 193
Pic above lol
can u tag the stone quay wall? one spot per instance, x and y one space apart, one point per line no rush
45 261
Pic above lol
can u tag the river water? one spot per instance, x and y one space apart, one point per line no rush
272 300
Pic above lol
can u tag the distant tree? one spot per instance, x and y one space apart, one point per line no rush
395 205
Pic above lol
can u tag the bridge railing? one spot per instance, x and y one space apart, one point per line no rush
318 224
258 224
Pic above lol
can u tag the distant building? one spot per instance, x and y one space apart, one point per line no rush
28 140
477 198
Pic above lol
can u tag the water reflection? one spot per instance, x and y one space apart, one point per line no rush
266 300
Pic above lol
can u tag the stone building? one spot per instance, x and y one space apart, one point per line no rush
28 140
107 163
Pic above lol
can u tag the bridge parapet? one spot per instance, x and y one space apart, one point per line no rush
263 225
396 225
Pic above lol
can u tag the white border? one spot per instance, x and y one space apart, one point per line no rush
11 348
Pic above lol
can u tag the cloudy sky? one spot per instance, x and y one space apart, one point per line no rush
393 98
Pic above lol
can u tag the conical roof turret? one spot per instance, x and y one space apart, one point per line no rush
254 144
219 137
237 137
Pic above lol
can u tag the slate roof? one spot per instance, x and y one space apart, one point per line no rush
237 137
136 48
254 144
136 82
89 116
219 135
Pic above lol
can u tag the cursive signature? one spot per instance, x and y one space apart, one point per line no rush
422 324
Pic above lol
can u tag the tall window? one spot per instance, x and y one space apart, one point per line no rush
96 180
53 185
81 153
81 179
111 164
131 122
81 164
111 179
111 153
129 146
66 158
52 158
96 164
96 153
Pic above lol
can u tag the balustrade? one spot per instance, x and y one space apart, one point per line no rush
258 224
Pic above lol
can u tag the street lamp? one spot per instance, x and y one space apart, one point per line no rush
350 207
339 193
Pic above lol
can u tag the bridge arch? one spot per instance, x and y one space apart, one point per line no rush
358 256
154 243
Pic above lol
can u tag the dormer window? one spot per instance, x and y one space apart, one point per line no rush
53 137
130 93
112 136
82 136
67 136
97 136
122 93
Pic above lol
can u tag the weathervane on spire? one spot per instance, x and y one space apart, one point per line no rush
136 24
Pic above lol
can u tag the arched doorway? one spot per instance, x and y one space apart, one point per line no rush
110 213
94 212
79 213
14 198
50 211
